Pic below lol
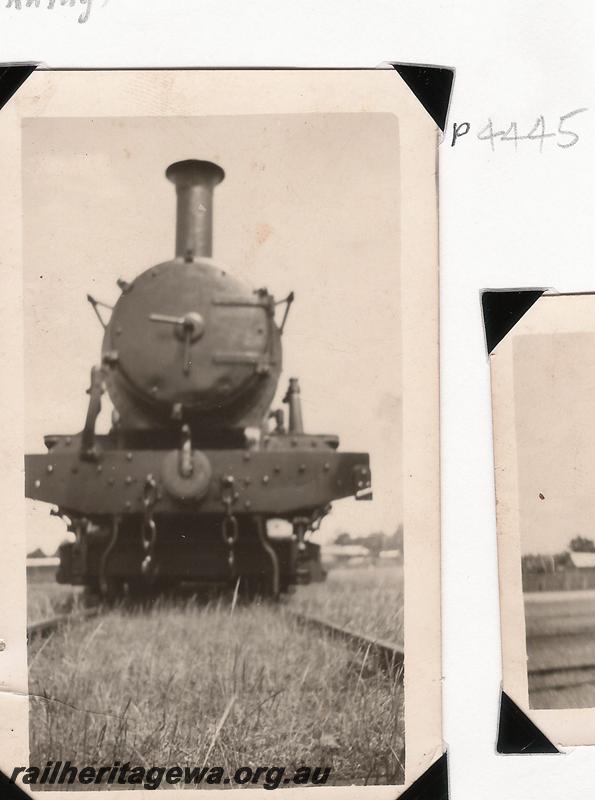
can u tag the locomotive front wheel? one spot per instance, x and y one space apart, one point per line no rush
111 591
91 595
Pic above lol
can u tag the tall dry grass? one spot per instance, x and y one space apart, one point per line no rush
184 684
366 599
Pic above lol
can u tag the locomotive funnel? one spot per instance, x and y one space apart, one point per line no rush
194 181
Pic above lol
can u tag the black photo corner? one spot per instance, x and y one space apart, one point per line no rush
11 79
10 791
517 734
432 785
432 86
502 309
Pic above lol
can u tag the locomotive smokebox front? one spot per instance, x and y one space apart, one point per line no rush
186 340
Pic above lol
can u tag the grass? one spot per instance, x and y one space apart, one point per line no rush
188 684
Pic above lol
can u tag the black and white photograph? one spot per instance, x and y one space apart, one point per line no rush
215 389
543 385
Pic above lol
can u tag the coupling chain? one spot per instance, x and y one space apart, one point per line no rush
149 529
229 523
304 525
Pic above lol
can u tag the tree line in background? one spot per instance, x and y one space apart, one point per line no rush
557 561
376 542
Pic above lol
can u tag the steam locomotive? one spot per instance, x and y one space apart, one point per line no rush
196 464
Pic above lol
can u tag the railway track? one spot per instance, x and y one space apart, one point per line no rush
383 654
560 630
46 626
575 661
560 677
386 655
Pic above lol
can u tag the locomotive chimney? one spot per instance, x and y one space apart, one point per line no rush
194 181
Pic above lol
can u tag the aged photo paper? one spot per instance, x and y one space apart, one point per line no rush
220 481
543 394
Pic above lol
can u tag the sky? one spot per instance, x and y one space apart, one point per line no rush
310 203
554 396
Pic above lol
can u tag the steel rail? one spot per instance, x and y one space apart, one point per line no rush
570 676
45 626
560 687
560 668
389 656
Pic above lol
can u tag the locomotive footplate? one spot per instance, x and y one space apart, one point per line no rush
290 475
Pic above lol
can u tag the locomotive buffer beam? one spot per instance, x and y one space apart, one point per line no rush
274 482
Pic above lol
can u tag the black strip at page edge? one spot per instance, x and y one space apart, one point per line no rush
432 785
502 309
517 734
10 791
11 79
431 85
